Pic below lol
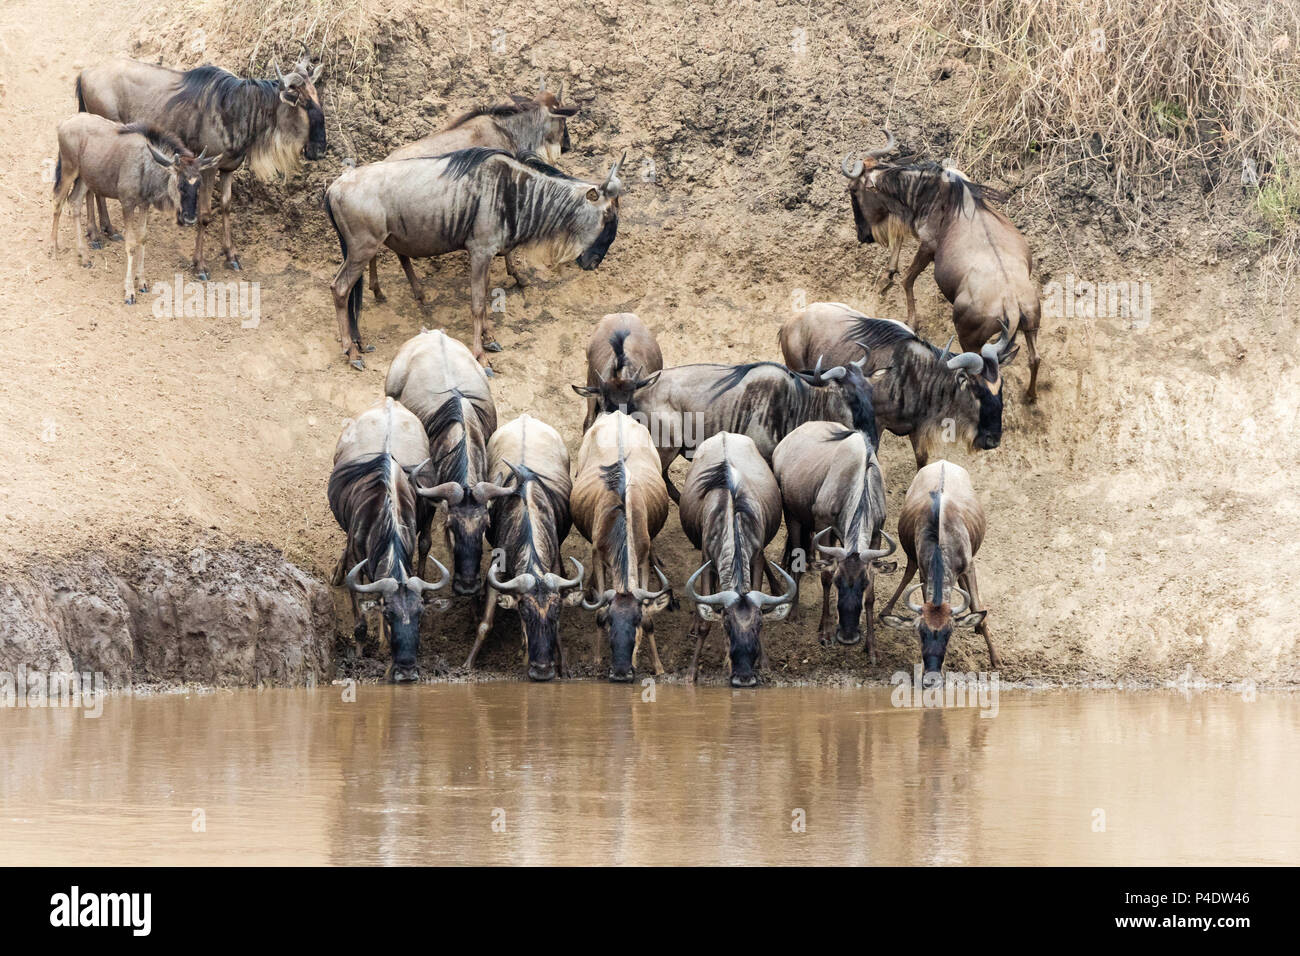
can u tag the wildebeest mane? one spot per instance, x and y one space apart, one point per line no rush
453 464
500 109
534 161
370 478
616 343
912 192
745 523
733 375
462 162
162 140
873 333
211 87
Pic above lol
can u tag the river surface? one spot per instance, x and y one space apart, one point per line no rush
582 773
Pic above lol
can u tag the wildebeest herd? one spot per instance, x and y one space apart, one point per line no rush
766 442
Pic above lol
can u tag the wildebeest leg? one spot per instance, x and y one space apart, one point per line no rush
968 581
359 627
700 629
374 282
92 229
204 217
924 256
347 307
919 450
60 197
513 270
908 574
648 632
598 588
793 536
869 605
131 217
1031 339
891 268
104 224
416 289
228 246
825 627
479 262
484 626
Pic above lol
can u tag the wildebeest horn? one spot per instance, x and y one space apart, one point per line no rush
883 150
641 594
854 171
559 94
278 75
907 597
382 586
947 349
452 492
890 547
839 554
320 68
541 87
721 599
613 186
420 586
965 602
768 600
967 361
520 582
600 602
557 583
485 491
160 158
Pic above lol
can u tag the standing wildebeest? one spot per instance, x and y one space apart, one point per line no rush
528 527
436 378
730 509
831 482
619 503
981 261
941 528
539 125
917 390
485 201
139 166
622 355
269 123
764 400
373 500
875 224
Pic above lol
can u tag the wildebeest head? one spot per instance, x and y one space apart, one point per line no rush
538 599
871 214
852 570
466 522
615 393
742 619
300 116
186 179
604 200
935 620
624 619
981 376
557 138
402 605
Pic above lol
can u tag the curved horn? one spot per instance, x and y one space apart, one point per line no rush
278 75
485 491
641 594
886 149
601 602
382 586
451 492
520 582
966 361
854 171
959 611
874 553
721 599
992 350
559 94
160 158
839 554
420 586
947 349
907 597
767 600
557 583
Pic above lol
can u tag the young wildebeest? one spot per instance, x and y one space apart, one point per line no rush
831 482
619 503
528 526
766 401
941 528
269 123
917 390
981 261
137 165
539 125
373 500
436 378
730 510
485 201
622 356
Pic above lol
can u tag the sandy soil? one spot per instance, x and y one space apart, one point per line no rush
1142 516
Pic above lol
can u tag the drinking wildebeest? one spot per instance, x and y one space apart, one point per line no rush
436 378
930 395
373 500
141 167
527 529
269 123
766 401
941 527
730 509
485 201
539 125
831 482
619 503
622 356
981 260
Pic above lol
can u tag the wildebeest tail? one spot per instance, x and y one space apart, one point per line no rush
81 97
354 294
58 172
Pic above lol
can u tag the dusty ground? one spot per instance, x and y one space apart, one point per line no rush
1142 517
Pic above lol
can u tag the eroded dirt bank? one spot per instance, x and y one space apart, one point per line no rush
1142 515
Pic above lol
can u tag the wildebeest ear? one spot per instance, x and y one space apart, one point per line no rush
593 194
586 391
573 598
973 619
506 601
289 96
657 603
647 382
1008 355
564 111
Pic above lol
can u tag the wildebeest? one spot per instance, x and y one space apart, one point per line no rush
527 529
730 509
981 260
269 123
766 401
539 125
831 483
928 394
619 503
622 356
141 167
875 224
373 500
485 201
941 527
436 378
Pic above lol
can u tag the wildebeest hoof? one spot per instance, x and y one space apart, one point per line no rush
493 346
379 296
115 236
130 300
203 275
96 244
359 364
144 287
87 264
489 371
233 264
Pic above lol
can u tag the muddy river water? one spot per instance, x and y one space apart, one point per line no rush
587 772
